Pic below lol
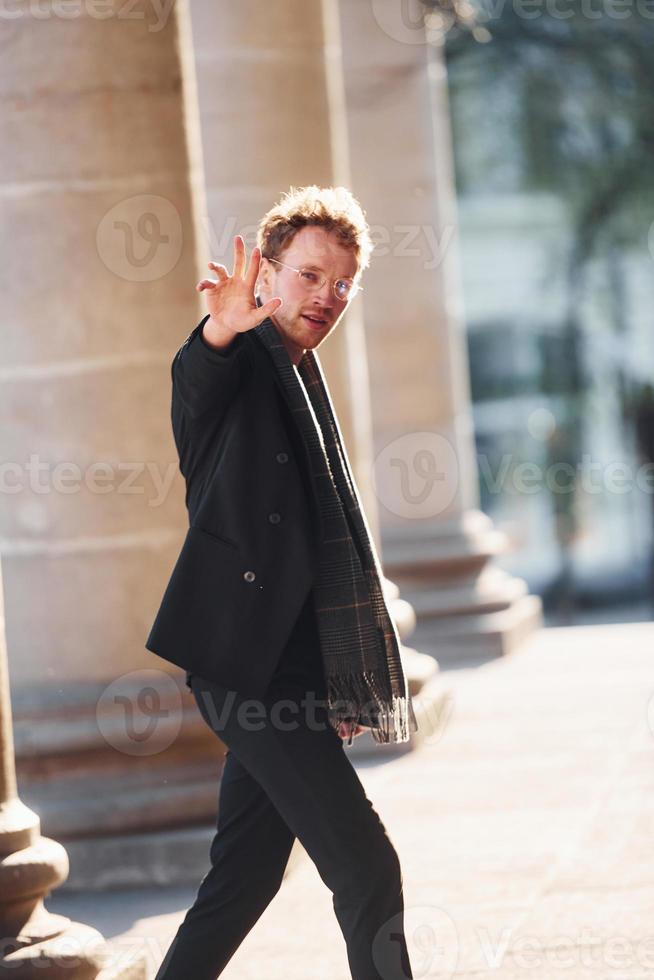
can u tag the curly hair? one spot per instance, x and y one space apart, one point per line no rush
332 208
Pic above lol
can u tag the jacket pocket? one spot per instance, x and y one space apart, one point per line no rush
218 537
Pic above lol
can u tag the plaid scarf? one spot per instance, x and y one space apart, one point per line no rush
359 642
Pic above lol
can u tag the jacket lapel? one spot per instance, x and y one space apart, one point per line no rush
290 414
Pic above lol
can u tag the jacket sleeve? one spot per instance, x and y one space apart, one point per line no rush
205 378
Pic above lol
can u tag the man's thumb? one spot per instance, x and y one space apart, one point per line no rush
272 305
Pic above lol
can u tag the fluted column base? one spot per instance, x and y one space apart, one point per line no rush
33 941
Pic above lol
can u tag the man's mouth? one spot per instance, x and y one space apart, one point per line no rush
314 321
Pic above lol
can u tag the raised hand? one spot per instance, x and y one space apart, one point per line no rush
230 299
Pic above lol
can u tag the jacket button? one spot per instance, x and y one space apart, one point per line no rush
274 518
282 457
249 576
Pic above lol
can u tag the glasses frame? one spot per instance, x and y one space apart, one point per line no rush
356 288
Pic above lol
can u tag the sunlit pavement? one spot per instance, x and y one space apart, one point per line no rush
524 825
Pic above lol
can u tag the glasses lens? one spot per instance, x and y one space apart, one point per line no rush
344 288
310 279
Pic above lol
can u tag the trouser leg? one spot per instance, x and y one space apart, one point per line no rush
301 764
249 854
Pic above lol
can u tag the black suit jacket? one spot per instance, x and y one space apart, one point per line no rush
250 553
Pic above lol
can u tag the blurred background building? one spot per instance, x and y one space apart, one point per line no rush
551 114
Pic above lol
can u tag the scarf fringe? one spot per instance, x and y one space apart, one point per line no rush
358 697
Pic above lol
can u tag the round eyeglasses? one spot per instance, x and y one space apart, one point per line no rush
312 280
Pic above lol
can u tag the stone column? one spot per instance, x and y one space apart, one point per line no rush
33 941
437 543
98 270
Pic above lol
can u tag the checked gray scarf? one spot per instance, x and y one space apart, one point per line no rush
359 641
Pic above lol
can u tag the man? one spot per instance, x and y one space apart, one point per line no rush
275 599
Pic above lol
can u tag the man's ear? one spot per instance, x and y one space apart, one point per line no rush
263 279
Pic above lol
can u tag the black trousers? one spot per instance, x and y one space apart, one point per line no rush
287 775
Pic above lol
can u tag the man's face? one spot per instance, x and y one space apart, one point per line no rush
306 317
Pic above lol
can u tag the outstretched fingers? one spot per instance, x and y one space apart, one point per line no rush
253 268
219 269
222 273
270 307
239 257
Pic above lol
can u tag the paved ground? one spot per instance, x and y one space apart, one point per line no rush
525 828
